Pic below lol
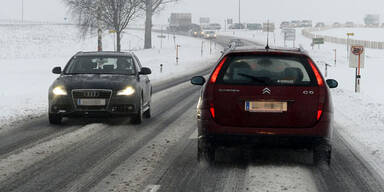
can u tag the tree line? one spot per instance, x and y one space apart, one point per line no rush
102 15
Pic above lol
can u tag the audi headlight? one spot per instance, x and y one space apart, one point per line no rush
126 92
59 91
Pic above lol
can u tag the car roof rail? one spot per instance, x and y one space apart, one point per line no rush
301 49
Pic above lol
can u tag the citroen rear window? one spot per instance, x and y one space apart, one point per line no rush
267 70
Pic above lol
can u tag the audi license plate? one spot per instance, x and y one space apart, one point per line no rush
91 102
266 106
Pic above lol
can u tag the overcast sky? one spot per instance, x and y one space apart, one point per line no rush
218 10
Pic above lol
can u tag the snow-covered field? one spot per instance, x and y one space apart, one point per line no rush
29 52
359 116
369 34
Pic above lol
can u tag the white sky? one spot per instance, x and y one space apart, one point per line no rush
218 10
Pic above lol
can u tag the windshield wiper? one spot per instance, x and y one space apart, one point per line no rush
263 80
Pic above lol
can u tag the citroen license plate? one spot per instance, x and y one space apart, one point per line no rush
266 106
91 102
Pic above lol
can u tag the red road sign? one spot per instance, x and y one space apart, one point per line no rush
357 50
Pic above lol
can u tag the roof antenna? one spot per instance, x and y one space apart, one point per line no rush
267 47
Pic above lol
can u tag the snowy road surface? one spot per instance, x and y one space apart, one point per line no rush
160 155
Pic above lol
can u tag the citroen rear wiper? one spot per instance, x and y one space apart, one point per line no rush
263 80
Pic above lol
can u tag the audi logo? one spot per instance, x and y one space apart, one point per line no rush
91 94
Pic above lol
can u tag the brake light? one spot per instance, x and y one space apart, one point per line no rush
217 70
319 79
319 113
212 110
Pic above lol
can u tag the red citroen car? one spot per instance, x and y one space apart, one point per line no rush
259 95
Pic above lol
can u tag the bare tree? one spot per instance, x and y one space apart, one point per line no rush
117 14
151 7
88 15
109 14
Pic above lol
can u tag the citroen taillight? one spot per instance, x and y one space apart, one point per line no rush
320 83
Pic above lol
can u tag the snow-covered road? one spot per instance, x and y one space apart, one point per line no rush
160 155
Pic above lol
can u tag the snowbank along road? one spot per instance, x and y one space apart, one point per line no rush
160 155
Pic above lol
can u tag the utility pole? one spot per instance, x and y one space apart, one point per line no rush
22 11
239 12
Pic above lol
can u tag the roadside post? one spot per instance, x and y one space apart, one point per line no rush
326 69
317 41
161 68
348 35
202 47
210 46
335 56
357 61
174 38
161 36
177 54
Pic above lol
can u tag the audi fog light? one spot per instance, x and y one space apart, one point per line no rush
59 91
126 92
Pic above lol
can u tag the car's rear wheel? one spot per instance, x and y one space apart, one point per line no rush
205 151
55 119
138 118
322 154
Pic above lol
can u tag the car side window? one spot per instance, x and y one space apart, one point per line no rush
138 62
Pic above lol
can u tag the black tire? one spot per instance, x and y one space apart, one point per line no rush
55 119
147 113
138 118
322 154
206 151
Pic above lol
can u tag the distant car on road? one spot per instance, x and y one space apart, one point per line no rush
320 25
295 23
254 26
214 26
101 84
237 26
285 25
196 31
336 24
235 43
210 35
349 24
306 23
262 96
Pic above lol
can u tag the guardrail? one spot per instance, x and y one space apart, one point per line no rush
368 44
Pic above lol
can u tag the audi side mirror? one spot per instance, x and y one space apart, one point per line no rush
56 70
198 80
145 71
332 83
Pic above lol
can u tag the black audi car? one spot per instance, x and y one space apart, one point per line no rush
101 84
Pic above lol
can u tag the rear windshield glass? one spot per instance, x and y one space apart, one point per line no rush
101 65
266 70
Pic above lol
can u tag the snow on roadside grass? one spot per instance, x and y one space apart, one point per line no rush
29 52
369 34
